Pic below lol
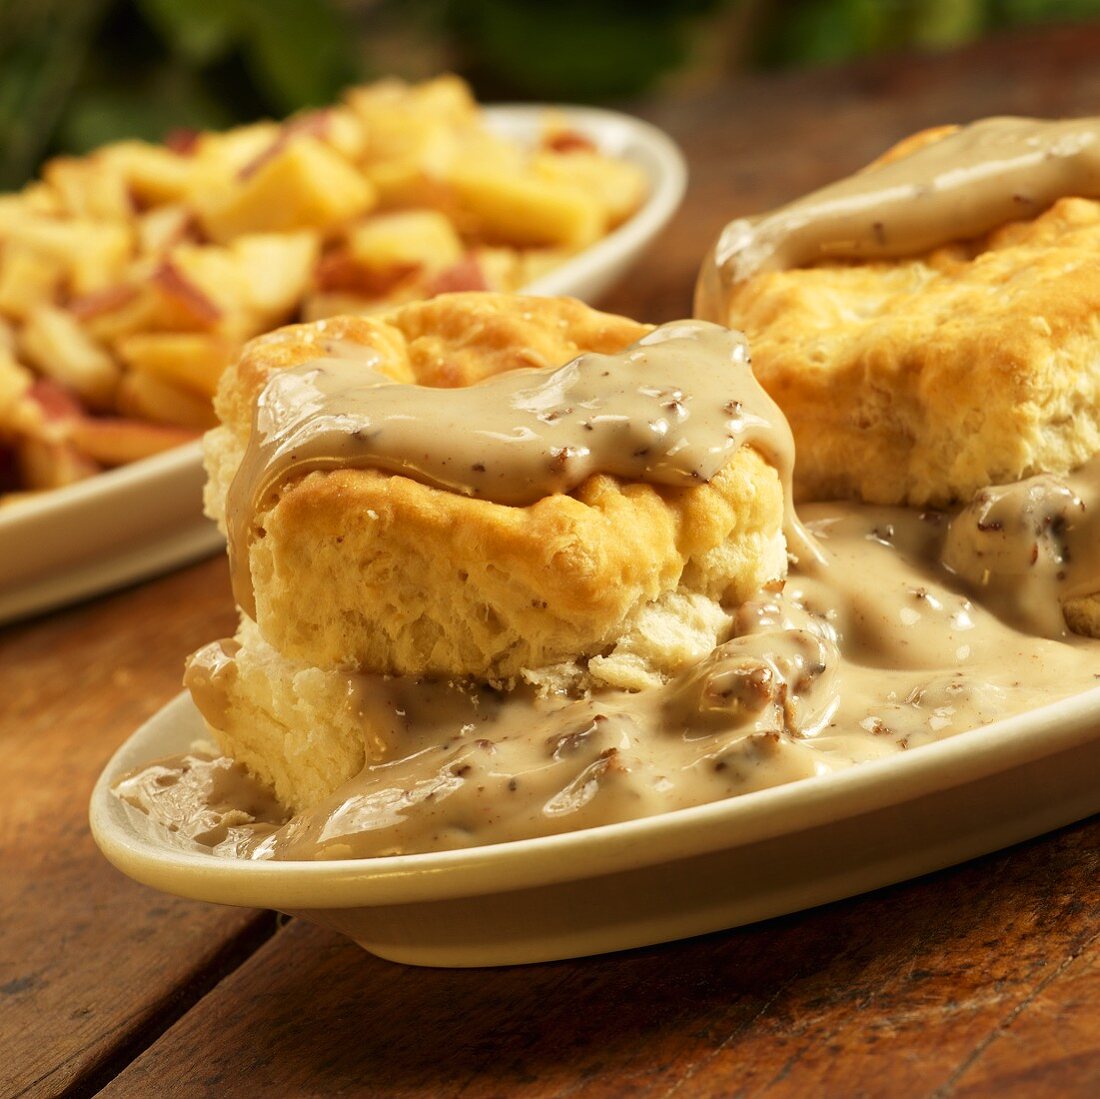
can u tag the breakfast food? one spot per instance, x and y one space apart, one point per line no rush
928 325
130 278
572 533
482 561
421 665
383 696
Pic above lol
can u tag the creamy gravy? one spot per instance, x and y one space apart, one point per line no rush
975 179
670 410
917 626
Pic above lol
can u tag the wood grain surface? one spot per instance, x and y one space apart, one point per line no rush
980 980
920 989
90 961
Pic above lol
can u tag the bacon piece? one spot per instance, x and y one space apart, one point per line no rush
569 141
467 274
171 281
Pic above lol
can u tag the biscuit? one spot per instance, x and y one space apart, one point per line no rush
923 379
618 582
293 726
920 381
360 568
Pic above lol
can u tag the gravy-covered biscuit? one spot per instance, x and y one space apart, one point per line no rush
344 562
952 343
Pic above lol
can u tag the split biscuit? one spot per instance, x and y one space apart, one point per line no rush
617 583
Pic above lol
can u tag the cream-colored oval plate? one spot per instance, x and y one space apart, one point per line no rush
647 881
132 523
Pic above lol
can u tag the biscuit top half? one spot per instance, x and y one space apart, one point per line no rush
671 409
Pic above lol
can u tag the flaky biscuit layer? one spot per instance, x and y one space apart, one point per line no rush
920 381
361 569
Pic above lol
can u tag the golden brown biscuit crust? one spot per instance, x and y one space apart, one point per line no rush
922 380
356 568
359 568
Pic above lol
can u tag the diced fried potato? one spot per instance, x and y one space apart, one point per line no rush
498 269
116 311
233 150
53 341
154 174
51 463
191 360
277 268
101 263
35 198
195 287
206 288
401 120
15 381
13 208
345 133
422 238
305 185
526 211
533 263
181 305
406 184
39 198
90 187
115 441
163 228
92 253
28 279
146 397
617 184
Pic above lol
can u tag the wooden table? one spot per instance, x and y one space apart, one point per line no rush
978 980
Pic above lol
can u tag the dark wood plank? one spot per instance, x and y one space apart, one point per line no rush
91 963
1052 1045
924 988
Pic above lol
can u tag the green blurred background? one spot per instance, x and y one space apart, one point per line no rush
77 73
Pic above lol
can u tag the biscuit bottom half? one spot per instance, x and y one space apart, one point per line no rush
304 730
